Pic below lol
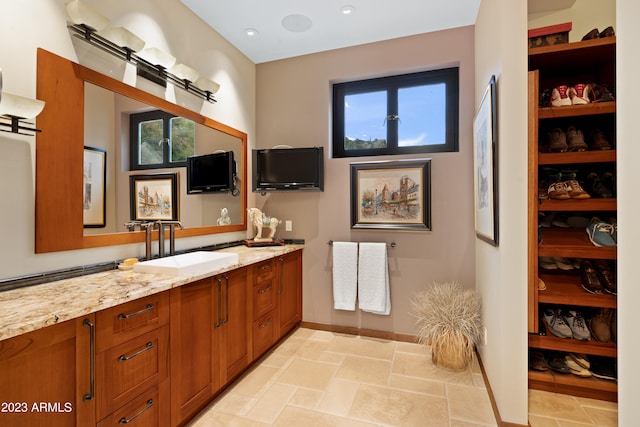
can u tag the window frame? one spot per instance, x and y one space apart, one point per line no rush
134 141
392 84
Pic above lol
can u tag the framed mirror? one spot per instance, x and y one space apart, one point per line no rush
60 158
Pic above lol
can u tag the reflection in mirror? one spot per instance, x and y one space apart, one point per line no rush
59 215
107 127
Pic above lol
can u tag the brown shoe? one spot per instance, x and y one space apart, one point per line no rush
589 278
575 191
607 32
600 325
593 34
607 277
558 191
599 141
558 141
575 139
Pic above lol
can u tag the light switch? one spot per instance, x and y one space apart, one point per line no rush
288 225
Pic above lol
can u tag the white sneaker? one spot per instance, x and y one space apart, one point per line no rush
563 263
556 323
579 329
560 96
579 94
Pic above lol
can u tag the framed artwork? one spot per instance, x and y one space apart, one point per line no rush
391 195
94 187
485 163
154 197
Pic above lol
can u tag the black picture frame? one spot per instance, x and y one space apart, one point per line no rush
391 195
485 161
154 197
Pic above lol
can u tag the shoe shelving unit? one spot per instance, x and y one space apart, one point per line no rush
580 62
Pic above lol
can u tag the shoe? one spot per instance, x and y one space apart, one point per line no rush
577 221
580 359
607 32
600 233
600 325
607 277
614 233
609 179
579 94
558 141
578 326
547 263
601 93
558 364
556 323
558 191
560 221
603 368
575 139
589 278
613 326
599 141
575 368
598 187
575 191
537 362
560 96
562 263
593 34
541 285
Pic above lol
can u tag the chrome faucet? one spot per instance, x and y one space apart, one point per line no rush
148 228
171 225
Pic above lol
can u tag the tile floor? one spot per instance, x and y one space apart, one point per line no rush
325 379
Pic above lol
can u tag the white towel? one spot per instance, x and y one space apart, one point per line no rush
345 275
373 279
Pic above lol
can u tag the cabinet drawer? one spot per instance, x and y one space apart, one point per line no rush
264 333
263 272
123 322
264 298
126 370
150 409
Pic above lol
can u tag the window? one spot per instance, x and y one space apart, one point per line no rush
160 140
405 114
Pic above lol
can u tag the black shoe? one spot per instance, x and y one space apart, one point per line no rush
589 278
598 187
558 364
593 34
603 367
607 32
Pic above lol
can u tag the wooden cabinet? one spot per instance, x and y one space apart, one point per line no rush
289 290
591 61
46 376
132 361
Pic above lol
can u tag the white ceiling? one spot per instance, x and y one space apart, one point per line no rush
372 20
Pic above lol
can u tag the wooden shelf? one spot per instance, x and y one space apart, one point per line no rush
565 289
573 56
577 110
600 156
592 388
572 243
585 205
570 345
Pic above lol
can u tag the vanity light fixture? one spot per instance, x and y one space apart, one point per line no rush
14 109
152 63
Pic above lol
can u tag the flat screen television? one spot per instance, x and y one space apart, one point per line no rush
288 169
211 173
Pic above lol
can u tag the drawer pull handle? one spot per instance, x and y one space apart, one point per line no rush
124 420
262 291
124 358
265 267
92 360
264 325
123 316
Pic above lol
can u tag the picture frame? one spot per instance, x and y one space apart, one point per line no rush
94 194
154 197
391 195
485 164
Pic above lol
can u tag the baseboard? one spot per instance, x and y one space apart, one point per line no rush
372 333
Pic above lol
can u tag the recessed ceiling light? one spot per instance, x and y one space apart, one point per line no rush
251 32
296 23
348 10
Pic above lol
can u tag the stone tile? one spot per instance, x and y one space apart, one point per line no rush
602 417
292 416
470 404
417 385
270 404
365 370
363 346
538 421
408 347
234 404
306 398
258 379
420 366
338 397
219 419
558 406
311 350
308 374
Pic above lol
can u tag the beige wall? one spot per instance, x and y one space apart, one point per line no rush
165 24
293 99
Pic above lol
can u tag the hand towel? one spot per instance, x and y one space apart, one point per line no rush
373 279
345 275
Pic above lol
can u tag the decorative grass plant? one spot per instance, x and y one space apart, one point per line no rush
448 320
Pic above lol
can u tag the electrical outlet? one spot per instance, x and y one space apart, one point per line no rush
288 225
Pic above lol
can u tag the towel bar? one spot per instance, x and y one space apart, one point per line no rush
391 245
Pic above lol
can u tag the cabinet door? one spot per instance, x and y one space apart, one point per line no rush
289 291
235 331
193 373
46 378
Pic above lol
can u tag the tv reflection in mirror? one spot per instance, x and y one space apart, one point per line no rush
288 169
211 173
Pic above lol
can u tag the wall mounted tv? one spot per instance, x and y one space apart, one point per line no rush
211 173
288 169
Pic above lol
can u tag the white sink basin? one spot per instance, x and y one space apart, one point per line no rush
189 264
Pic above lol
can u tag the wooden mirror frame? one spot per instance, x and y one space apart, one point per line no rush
60 150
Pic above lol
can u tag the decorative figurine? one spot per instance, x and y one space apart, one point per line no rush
224 219
261 220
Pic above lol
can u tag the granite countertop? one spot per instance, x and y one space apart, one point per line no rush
27 309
